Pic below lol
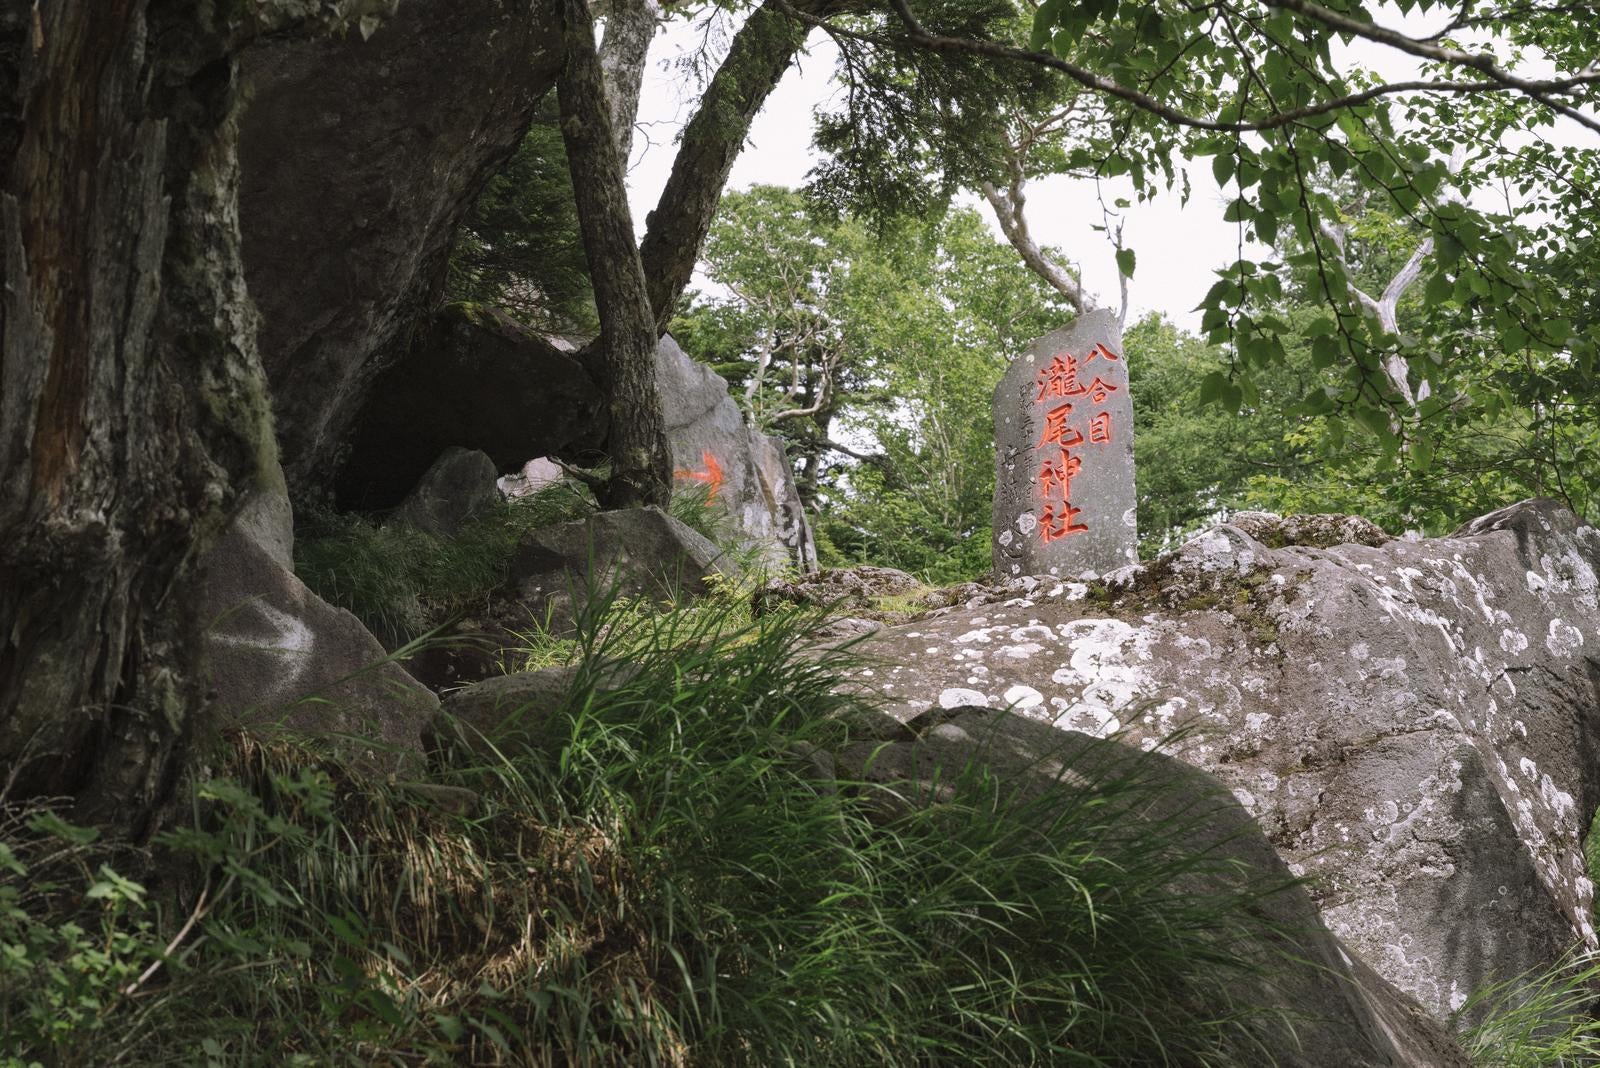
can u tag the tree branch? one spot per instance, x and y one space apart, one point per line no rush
1008 210
917 35
630 26
762 50
641 472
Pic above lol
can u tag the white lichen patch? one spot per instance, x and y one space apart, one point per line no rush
956 696
1023 697
1563 639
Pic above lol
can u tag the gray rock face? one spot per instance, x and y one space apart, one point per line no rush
1414 724
359 160
279 655
458 487
474 378
639 552
1064 497
1340 1014
747 472
1322 531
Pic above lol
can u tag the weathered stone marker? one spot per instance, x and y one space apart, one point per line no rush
1063 437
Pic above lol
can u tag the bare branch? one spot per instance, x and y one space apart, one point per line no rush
1008 210
1540 90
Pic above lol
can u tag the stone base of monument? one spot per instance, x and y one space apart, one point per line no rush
1064 499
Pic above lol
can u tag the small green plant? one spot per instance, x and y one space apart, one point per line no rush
75 936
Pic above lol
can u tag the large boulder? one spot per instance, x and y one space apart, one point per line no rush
459 487
472 377
1311 1004
507 710
359 160
745 472
635 552
279 656
1413 723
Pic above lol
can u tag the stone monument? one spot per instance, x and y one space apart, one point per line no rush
1063 426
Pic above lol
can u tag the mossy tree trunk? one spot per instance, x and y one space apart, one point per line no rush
641 464
133 406
636 286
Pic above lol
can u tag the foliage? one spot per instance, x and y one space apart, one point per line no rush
1501 325
1537 1020
663 874
1286 451
403 582
519 248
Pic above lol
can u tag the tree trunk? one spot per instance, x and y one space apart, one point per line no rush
762 50
133 407
641 465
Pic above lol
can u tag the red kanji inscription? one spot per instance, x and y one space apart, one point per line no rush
1060 379
1100 428
1056 431
1058 475
1055 524
1099 389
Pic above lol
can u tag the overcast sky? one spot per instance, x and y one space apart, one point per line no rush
1179 246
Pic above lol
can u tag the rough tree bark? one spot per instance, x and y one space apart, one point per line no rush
641 464
630 26
133 407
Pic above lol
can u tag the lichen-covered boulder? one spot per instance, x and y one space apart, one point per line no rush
1319 531
459 487
1310 1003
858 587
745 473
472 377
359 159
278 656
1414 724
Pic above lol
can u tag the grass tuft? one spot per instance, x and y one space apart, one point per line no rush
1538 1019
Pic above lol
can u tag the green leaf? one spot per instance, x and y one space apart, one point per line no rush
1213 387
1125 262
1422 452
1222 167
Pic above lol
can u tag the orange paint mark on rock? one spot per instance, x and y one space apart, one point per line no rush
711 476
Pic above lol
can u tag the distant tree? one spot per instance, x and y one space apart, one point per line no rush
520 247
874 353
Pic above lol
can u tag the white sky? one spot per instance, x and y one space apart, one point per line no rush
1179 246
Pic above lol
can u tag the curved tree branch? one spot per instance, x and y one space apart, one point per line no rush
1541 91
762 50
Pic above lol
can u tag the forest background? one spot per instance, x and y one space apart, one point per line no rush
868 330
